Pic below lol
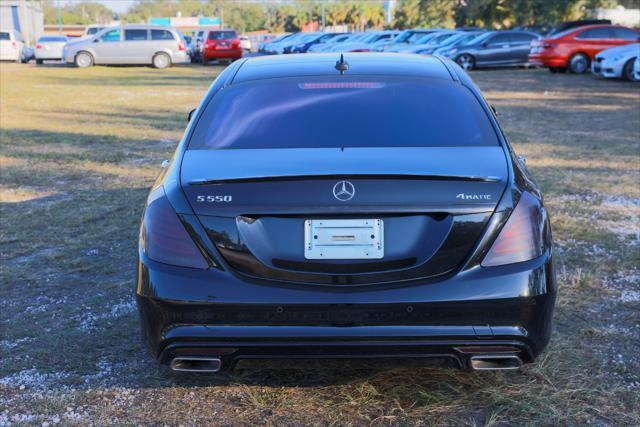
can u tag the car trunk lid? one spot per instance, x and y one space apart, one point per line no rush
255 204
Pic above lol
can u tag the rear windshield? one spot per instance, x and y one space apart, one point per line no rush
222 35
52 39
343 112
4 36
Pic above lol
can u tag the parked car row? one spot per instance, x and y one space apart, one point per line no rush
127 45
575 48
471 49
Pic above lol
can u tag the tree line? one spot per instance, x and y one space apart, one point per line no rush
292 15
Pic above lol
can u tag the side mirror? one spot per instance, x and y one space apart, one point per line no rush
190 114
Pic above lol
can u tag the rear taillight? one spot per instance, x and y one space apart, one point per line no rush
181 46
163 238
521 237
38 46
13 44
235 44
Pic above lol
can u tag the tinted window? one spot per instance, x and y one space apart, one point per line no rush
500 39
418 37
135 35
522 38
222 35
93 30
4 36
624 33
111 36
343 112
52 39
161 35
594 33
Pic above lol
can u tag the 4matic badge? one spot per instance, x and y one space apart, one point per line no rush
463 196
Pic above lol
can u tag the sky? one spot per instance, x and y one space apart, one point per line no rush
118 6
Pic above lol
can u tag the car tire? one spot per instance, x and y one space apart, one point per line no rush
161 60
39 61
83 60
466 62
579 63
627 70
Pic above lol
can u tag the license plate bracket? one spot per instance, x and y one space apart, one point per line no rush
343 239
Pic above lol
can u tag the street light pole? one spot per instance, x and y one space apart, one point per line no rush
59 17
323 16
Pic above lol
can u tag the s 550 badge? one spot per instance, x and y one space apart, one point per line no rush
213 199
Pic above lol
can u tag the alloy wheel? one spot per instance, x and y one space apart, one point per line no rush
579 63
466 62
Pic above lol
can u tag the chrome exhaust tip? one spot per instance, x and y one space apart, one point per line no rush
195 364
495 362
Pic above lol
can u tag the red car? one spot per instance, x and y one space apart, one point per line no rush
221 45
575 48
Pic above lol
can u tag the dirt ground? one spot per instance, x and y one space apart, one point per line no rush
79 149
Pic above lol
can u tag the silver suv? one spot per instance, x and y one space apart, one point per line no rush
129 44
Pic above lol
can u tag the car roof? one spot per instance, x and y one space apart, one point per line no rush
586 27
372 64
146 26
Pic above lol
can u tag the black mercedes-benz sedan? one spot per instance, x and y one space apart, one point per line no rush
364 206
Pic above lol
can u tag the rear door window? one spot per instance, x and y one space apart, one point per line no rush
594 33
343 112
161 35
135 35
624 33
522 38
499 40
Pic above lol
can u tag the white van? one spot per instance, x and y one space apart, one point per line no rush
128 45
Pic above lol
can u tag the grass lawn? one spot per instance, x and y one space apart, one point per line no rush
79 149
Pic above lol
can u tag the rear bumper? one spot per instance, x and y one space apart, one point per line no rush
181 58
222 54
48 55
547 61
195 313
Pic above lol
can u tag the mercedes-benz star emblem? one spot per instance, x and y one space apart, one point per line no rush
344 191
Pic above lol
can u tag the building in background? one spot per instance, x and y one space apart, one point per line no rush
24 16
187 24
619 16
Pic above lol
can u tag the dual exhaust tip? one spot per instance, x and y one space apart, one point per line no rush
486 362
195 364
495 362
